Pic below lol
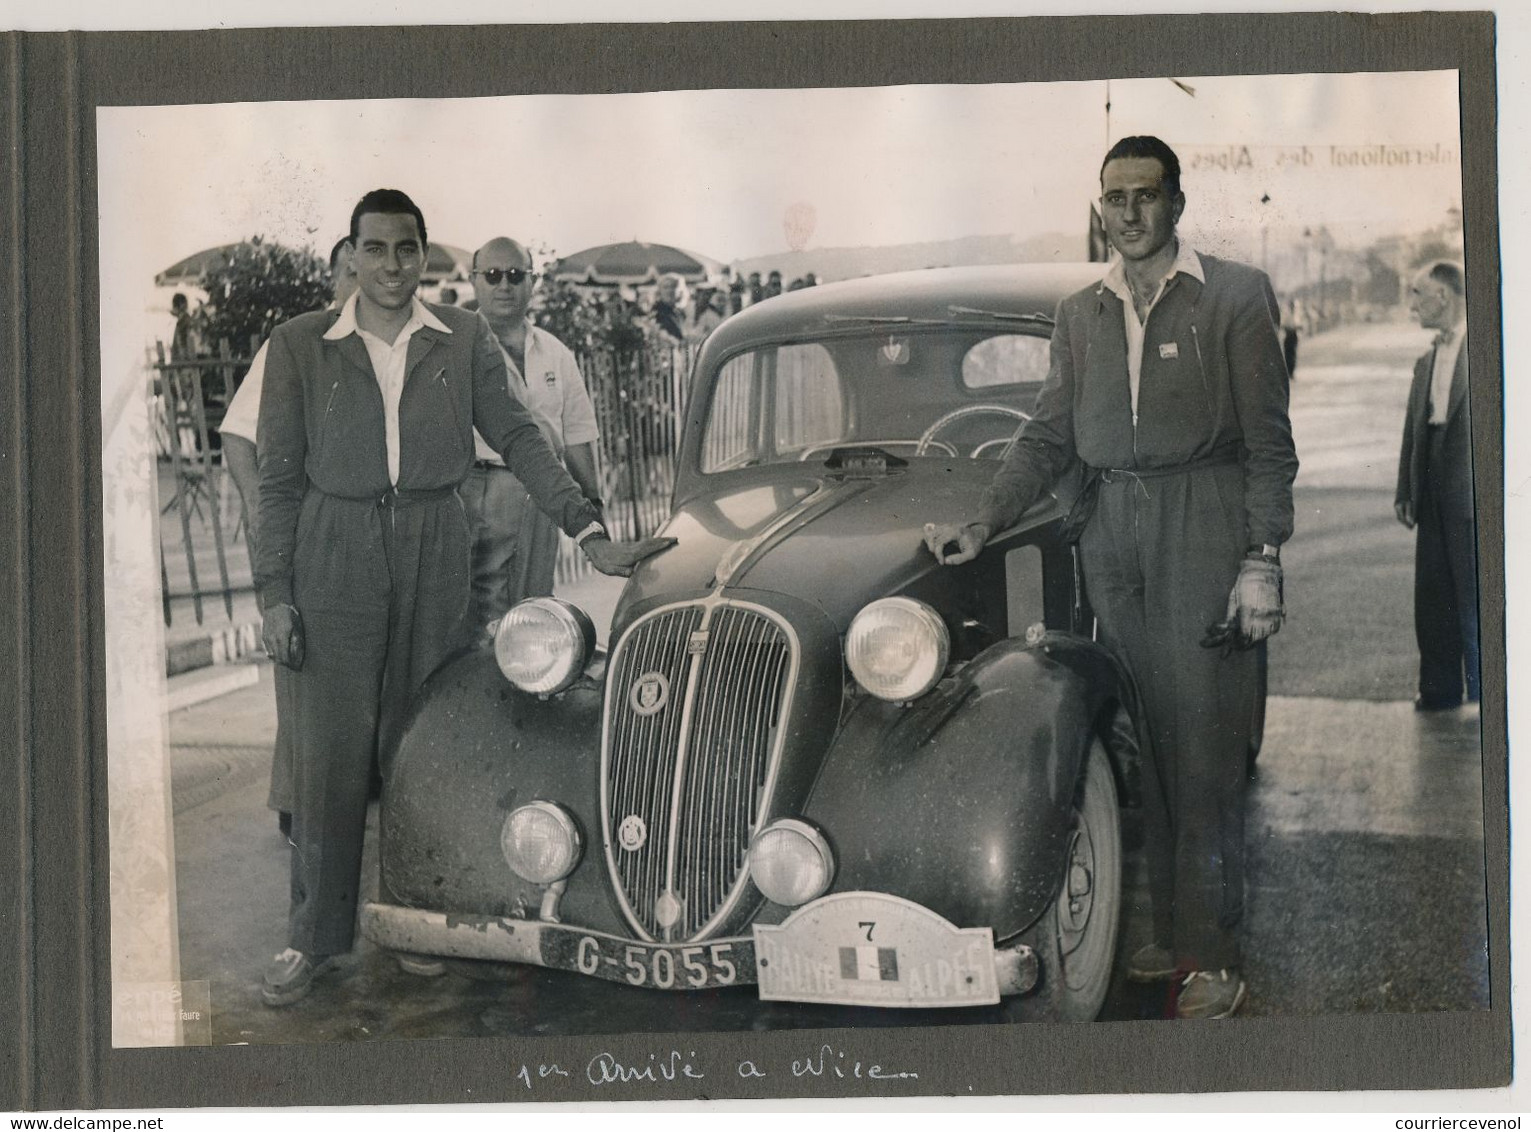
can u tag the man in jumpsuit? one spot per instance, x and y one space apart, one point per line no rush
1167 383
366 430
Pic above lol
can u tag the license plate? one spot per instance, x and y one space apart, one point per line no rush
700 966
869 949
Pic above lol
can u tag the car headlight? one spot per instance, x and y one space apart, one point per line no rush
541 842
791 863
542 644
897 648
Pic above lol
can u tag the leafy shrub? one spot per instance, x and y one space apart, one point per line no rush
260 286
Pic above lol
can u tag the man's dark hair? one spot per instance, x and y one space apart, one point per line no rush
340 246
178 302
388 202
1146 145
1449 275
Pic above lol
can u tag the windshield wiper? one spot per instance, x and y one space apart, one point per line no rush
1035 316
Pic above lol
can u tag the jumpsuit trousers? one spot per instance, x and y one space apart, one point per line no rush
1160 555
382 587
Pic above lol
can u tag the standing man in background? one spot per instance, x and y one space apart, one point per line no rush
1167 382
1435 495
239 431
515 546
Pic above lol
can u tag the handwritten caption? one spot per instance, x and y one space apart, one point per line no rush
827 1063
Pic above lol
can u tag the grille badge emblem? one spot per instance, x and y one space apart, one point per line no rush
667 909
650 693
632 833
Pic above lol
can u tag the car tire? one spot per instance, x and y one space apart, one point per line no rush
1079 930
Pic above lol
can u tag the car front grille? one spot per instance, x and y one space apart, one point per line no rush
695 705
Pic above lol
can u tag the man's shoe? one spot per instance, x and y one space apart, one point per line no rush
421 965
291 976
1151 964
1210 994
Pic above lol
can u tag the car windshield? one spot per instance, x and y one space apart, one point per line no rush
910 391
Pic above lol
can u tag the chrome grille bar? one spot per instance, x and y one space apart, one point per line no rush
638 761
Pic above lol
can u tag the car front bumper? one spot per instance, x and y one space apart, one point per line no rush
859 949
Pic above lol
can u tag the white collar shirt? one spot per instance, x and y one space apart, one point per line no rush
1447 346
388 364
1186 262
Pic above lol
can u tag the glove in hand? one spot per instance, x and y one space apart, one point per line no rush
1256 599
1255 608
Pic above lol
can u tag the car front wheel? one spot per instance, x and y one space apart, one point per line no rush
1080 927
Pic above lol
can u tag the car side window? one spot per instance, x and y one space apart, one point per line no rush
732 423
1005 359
810 406
1023 589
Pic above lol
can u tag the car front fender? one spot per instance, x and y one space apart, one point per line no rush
963 801
474 749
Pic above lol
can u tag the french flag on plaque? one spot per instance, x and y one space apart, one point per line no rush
874 964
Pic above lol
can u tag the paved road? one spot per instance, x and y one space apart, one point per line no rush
1366 888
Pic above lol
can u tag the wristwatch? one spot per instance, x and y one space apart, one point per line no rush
1270 552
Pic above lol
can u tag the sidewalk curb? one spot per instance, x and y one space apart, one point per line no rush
200 685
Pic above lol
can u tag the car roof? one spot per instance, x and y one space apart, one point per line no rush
1032 289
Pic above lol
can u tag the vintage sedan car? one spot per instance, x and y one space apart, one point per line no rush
814 761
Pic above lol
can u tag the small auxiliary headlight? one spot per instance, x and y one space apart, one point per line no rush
541 842
897 648
791 863
542 644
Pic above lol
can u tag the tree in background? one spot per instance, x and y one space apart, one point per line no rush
260 285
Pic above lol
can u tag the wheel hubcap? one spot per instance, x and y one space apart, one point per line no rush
1076 899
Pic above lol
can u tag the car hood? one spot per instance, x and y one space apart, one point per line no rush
836 543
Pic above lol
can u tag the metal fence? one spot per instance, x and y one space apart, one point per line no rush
639 396
190 397
640 403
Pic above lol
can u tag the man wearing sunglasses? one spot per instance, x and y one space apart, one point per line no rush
366 425
515 546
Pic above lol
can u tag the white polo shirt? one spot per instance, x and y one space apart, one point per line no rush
243 413
554 390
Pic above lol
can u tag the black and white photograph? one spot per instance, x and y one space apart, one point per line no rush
726 561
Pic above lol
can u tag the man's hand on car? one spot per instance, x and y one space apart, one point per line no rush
281 631
955 543
619 558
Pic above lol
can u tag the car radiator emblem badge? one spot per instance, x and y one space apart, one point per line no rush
650 693
667 909
632 833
